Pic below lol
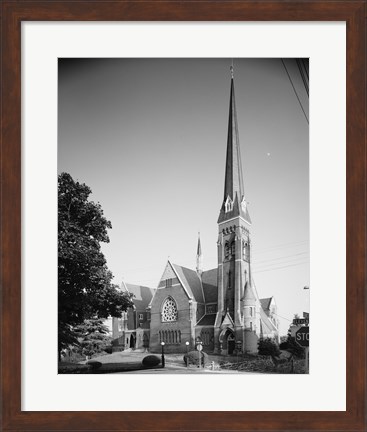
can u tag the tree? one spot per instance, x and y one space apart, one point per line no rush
85 289
93 336
268 347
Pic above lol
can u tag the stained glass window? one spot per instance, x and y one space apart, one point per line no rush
169 310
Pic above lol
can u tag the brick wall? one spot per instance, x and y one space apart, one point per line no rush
183 323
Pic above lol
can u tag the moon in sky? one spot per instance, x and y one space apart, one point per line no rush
268 154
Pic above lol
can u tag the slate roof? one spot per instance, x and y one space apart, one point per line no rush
210 285
142 295
265 304
268 326
192 282
249 293
208 320
233 183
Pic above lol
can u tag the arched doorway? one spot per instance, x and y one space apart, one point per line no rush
231 343
132 341
145 341
227 341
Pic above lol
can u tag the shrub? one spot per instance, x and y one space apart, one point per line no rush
193 358
74 368
268 347
284 345
294 348
95 364
151 360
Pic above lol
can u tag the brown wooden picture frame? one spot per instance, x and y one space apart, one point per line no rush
13 13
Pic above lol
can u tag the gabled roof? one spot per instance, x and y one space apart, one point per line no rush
142 294
268 326
228 319
265 304
209 279
191 281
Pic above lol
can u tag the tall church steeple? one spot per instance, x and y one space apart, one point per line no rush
234 202
234 242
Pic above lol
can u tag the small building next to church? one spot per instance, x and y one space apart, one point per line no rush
221 306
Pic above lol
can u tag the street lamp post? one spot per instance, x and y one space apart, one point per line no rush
187 353
163 361
199 347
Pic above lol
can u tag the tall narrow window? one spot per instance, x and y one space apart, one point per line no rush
233 248
226 249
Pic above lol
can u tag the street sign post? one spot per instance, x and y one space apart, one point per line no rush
303 339
299 321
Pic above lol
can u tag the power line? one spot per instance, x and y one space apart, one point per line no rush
278 268
282 317
302 73
294 89
255 262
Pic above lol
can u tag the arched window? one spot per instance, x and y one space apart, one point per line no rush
169 310
246 250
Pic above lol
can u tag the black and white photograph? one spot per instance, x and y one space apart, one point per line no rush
183 216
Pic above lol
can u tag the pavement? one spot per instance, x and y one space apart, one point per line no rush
131 362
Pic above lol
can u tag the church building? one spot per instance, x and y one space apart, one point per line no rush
221 306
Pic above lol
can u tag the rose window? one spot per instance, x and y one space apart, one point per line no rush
169 311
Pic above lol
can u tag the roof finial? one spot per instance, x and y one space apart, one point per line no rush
231 69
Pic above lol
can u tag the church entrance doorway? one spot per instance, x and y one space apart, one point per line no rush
227 341
132 341
231 343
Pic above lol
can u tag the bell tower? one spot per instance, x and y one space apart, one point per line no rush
234 242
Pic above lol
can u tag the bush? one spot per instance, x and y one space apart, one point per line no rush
108 350
151 360
268 347
284 345
294 348
193 358
95 364
74 368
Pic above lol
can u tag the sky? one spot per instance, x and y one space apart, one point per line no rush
149 137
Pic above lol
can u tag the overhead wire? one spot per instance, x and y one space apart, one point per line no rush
294 89
301 68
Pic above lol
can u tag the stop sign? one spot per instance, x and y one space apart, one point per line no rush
302 337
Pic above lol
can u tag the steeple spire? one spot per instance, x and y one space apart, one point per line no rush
234 203
199 257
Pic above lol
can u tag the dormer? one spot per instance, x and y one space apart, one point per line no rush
228 205
244 204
